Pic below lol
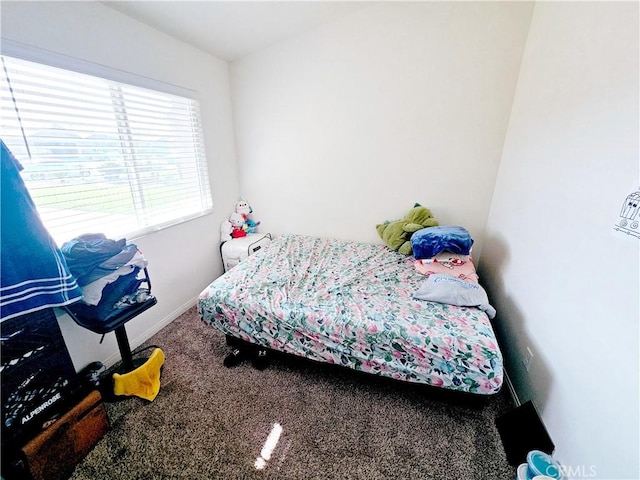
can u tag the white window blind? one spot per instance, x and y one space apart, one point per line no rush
103 156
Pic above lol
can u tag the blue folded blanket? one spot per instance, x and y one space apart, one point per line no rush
454 291
430 241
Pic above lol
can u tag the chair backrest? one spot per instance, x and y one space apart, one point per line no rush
90 318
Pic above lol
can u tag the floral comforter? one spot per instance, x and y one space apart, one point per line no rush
351 304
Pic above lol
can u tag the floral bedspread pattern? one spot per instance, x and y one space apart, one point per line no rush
351 304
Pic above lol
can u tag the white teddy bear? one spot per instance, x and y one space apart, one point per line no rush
244 209
226 229
237 223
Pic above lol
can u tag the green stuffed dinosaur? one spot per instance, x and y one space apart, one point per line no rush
397 235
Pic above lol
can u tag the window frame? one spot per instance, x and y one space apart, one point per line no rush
53 59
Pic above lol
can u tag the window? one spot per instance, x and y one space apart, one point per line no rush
101 155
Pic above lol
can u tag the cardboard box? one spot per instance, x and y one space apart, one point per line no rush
57 450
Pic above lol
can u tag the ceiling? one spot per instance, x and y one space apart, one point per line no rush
232 29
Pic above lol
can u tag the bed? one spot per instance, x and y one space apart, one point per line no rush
352 304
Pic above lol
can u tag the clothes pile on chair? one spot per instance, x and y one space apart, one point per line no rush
107 272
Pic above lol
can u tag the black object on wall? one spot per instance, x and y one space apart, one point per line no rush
521 431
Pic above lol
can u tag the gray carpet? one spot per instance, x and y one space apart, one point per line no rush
210 422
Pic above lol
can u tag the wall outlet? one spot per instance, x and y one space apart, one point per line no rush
527 359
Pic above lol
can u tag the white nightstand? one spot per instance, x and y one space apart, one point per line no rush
237 249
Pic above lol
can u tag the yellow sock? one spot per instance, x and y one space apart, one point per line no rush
144 381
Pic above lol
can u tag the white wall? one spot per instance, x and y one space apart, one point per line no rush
348 125
563 283
342 127
182 259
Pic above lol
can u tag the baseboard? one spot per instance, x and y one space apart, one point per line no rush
150 332
512 390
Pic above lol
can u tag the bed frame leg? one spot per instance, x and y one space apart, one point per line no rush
236 357
261 359
241 350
